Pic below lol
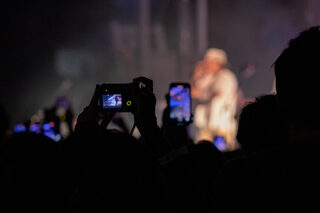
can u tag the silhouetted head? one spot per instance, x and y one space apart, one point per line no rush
297 72
117 174
209 156
258 128
28 162
4 122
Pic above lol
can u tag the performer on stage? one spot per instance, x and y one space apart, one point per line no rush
215 89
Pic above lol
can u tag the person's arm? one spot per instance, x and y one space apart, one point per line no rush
87 122
198 73
195 93
146 121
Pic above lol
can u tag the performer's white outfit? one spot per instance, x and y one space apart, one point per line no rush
215 114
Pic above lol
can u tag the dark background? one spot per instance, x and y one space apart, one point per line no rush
54 48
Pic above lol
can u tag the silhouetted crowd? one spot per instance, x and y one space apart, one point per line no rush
96 169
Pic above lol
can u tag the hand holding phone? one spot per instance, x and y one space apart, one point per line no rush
220 143
18 128
48 130
180 103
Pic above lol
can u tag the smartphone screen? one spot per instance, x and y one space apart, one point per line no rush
220 143
48 130
19 128
35 128
111 101
180 102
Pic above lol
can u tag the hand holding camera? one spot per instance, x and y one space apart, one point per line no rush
136 97
91 113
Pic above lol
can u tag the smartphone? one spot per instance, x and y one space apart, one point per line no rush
48 130
220 143
18 128
180 103
35 128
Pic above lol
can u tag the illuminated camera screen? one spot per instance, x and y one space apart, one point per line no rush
180 103
111 101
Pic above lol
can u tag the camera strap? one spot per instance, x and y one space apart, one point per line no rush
133 127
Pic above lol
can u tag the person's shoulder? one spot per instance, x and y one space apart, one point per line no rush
228 76
234 165
227 72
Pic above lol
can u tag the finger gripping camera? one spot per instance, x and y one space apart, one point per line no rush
117 97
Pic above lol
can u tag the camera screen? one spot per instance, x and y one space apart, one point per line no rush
180 103
111 101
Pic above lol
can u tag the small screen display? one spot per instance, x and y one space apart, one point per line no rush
220 143
180 103
111 101
35 128
49 131
19 128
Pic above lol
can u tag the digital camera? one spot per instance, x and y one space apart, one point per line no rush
117 97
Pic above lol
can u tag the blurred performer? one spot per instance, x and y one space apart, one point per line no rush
215 89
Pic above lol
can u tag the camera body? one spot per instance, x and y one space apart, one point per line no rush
117 97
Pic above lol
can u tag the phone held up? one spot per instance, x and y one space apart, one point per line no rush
220 143
180 104
46 129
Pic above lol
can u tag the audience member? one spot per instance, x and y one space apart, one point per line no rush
190 169
98 169
260 118
28 174
282 180
4 124
111 170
